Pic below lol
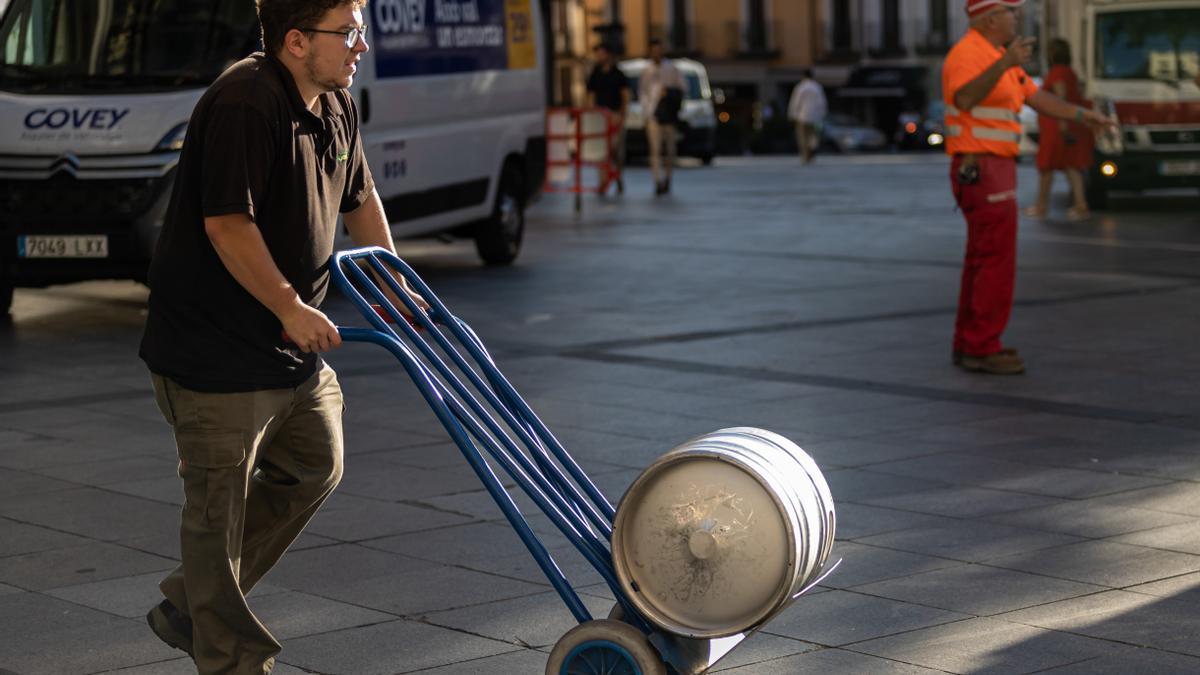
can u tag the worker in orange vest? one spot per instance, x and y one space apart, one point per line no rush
984 87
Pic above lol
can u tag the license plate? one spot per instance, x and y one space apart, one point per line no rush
1180 167
64 246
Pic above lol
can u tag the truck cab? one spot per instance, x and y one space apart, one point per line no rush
1137 60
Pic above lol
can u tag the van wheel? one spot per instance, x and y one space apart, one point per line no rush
498 239
706 160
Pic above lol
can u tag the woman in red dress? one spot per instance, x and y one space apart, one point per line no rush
1062 146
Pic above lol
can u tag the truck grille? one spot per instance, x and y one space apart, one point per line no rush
1175 137
62 198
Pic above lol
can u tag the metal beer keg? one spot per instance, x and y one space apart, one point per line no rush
723 532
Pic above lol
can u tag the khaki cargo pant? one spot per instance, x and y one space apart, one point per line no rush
255 466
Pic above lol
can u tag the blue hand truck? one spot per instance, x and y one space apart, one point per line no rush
482 412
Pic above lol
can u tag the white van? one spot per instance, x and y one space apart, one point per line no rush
95 97
698 117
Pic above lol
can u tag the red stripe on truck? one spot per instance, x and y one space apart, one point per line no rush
1164 112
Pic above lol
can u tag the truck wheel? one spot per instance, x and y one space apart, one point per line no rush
498 239
706 159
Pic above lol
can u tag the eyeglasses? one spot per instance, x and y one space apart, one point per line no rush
352 35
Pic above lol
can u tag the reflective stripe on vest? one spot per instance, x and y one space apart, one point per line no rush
996 134
983 112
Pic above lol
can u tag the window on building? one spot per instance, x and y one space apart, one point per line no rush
891 25
678 31
939 24
842 34
755 18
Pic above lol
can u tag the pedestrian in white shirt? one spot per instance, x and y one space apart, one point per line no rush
662 84
807 109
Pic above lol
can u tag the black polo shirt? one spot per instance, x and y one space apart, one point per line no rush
252 147
607 86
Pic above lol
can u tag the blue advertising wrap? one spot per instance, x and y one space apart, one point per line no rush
438 37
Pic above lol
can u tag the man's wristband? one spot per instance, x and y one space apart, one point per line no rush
1078 114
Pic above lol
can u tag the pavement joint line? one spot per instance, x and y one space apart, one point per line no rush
920 392
480 658
919 262
134 665
875 468
784 326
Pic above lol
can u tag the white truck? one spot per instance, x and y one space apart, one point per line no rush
95 96
1139 60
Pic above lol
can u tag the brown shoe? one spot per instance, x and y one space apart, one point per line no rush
171 626
998 363
957 357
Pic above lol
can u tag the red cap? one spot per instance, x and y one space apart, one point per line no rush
978 7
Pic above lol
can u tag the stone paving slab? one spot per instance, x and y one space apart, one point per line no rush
1132 661
863 564
21 538
1131 618
969 541
77 565
534 621
35 626
1183 538
1088 519
963 502
971 589
383 649
830 661
1103 563
822 618
90 512
988 646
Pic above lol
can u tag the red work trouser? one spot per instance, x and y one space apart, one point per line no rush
990 267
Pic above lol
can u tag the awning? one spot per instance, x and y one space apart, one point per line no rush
886 82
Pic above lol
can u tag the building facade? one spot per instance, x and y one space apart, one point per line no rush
876 58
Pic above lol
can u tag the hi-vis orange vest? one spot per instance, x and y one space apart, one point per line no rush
991 127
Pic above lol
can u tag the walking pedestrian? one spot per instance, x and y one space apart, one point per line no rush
1062 145
806 109
660 91
985 87
608 88
272 156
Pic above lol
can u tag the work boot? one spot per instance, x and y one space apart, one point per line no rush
171 626
998 363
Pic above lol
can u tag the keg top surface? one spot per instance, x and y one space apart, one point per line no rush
707 545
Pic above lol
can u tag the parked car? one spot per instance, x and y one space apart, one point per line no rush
697 135
843 133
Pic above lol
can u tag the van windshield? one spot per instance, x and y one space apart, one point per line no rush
84 46
1159 44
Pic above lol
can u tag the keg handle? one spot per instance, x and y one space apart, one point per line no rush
821 578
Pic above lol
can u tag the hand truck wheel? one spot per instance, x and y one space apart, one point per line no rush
604 647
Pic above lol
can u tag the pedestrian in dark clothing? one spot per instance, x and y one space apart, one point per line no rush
272 156
608 88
